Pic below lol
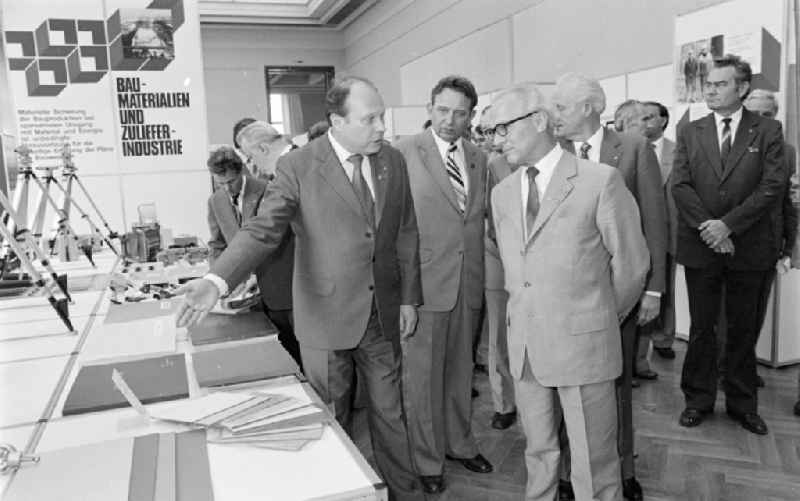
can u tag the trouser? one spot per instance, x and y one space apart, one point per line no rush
377 362
437 385
500 380
589 413
744 292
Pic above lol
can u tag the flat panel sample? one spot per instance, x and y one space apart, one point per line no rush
128 312
193 474
242 363
151 336
151 379
26 387
45 327
37 347
218 328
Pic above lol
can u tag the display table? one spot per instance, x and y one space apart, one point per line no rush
31 413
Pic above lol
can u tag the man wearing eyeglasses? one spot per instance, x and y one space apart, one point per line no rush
578 103
575 261
448 180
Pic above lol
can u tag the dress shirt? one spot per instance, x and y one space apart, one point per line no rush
343 155
443 146
546 166
658 148
735 117
595 141
239 200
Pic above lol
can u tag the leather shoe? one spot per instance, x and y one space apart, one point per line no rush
480 369
759 381
635 383
692 417
631 490
667 353
475 393
648 374
797 408
432 484
565 492
502 420
750 421
478 464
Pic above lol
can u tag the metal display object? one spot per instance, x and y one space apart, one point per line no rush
11 458
69 174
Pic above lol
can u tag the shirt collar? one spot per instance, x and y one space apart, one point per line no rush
547 164
444 146
658 143
596 139
735 117
341 152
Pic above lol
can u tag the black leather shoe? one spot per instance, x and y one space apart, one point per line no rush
759 381
797 408
648 375
565 492
692 417
478 464
750 421
635 383
631 490
667 353
432 484
480 369
475 393
502 420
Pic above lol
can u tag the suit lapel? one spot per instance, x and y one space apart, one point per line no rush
511 197
332 171
610 148
225 216
557 190
250 198
710 143
432 160
380 175
745 134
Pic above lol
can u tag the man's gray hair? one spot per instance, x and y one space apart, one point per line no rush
258 132
583 88
764 94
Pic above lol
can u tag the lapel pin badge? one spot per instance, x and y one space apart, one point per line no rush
752 149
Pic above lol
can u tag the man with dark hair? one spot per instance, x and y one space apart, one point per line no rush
356 279
729 181
448 179
318 129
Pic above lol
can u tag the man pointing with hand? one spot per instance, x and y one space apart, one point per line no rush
356 276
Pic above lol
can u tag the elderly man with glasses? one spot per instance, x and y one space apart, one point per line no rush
575 263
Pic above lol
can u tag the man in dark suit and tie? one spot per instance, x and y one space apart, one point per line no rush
356 278
448 181
729 183
578 102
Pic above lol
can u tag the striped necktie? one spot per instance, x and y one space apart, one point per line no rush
725 147
236 212
456 179
532 208
584 152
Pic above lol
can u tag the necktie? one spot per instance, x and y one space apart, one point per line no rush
532 209
725 148
454 174
362 190
584 152
236 212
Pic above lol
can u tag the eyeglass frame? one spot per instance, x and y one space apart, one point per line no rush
503 126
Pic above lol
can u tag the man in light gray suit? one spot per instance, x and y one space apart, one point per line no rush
575 263
448 181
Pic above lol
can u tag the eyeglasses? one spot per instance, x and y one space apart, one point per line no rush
501 129
484 132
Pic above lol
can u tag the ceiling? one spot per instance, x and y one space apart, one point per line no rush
331 14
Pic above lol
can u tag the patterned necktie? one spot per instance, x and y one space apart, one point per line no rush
456 179
362 190
725 148
532 208
584 152
236 212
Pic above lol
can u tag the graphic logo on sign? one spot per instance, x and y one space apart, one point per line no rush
130 40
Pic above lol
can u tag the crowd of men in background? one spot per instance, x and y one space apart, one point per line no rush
553 237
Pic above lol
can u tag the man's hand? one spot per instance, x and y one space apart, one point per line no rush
724 247
408 320
201 296
783 265
713 232
649 309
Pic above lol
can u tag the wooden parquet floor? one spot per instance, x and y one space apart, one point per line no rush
717 461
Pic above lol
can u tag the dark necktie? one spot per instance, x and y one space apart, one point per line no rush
236 212
584 152
454 174
725 148
532 208
362 190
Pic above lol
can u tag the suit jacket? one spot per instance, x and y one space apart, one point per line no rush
638 164
499 169
581 270
746 193
790 242
450 242
274 274
667 160
342 263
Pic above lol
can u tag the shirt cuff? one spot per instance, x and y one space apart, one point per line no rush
220 284
653 293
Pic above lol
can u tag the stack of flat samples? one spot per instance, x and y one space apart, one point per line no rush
264 420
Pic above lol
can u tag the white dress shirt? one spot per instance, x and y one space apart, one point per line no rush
444 146
546 166
342 154
735 117
595 141
239 201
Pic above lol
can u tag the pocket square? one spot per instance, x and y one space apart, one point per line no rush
752 149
